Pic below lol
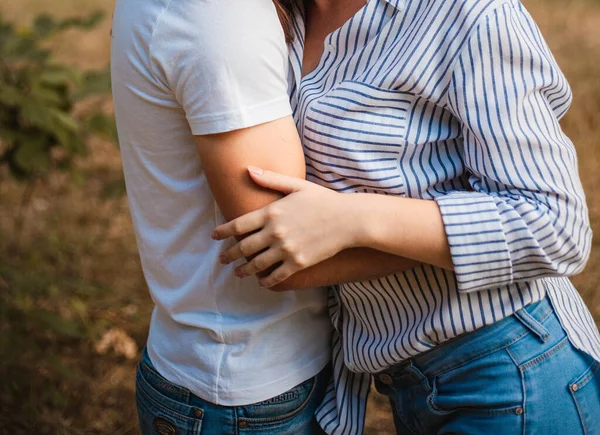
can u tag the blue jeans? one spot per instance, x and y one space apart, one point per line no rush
518 376
168 409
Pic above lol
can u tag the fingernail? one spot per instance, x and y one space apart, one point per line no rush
239 273
223 259
255 170
214 235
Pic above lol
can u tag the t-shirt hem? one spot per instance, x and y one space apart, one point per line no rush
242 397
241 118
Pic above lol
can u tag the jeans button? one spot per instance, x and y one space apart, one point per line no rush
385 379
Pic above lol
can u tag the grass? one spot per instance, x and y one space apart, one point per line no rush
74 272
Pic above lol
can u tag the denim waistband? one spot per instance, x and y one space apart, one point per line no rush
478 343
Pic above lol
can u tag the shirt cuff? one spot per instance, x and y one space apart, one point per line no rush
241 118
477 241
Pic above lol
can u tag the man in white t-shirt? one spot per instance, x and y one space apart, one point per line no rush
200 94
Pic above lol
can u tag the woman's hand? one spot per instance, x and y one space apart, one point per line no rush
309 225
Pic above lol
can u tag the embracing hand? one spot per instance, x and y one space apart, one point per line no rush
309 225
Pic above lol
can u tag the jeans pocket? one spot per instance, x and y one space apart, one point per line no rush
282 407
586 394
291 412
490 385
159 414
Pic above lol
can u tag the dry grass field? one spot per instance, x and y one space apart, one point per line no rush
77 255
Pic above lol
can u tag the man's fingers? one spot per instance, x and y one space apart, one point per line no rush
275 181
259 263
244 248
238 227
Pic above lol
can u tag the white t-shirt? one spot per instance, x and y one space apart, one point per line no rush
185 67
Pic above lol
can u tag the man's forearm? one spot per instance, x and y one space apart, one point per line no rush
350 265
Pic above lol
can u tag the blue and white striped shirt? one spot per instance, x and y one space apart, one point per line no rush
459 102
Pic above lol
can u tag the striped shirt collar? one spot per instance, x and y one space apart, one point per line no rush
296 48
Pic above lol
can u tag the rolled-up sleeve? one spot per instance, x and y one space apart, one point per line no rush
524 216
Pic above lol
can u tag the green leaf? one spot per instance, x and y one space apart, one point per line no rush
10 95
33 155
37 99
94 83
44 25
19 47
64 120
47 97
8 135
36 115
57 75
66 140
89 22
102 125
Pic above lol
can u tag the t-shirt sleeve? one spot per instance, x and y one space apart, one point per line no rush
225 62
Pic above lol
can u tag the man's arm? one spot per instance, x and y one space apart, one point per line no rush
225 157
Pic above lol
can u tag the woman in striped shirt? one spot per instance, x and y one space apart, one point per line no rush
441 118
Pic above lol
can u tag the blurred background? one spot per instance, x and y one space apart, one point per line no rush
74 308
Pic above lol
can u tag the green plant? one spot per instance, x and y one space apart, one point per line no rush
48 111
39 130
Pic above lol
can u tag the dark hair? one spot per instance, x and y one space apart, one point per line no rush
284 11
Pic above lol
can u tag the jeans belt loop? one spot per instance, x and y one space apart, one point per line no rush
533 325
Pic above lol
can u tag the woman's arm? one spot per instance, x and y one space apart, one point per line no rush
349 265
525 215
344 237
276 145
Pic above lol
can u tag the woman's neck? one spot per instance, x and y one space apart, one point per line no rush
321 18
333 6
